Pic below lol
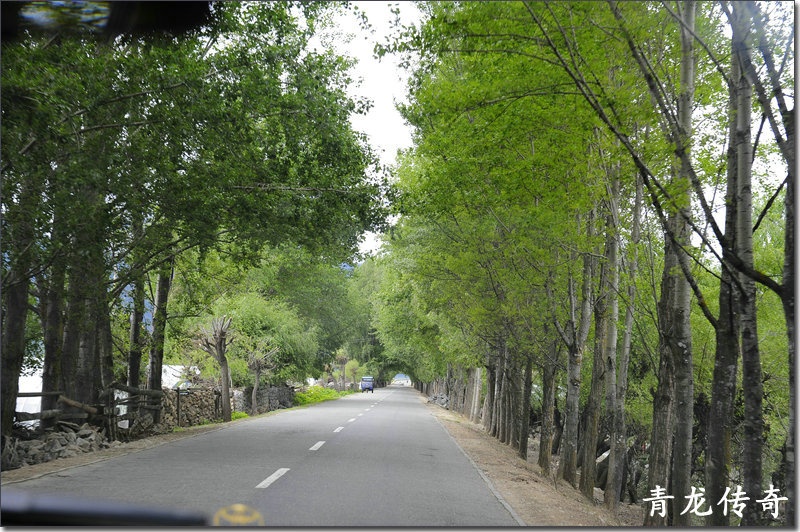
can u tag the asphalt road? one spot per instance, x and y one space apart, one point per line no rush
373 459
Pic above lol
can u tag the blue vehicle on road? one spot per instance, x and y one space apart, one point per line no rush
367 383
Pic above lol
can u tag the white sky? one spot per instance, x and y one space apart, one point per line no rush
381 81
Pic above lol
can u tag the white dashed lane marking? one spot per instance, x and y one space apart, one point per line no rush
282 471
273 477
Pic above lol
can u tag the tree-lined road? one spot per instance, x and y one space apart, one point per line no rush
365 460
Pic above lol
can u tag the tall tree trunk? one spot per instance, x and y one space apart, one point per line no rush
788 309
575 349
80 367
51 290
620 443
85 371
476 408
769 94
723 391
516 406
751 360
591 410
672 404
159 329
613 409
575 338
69 346
254 395
660 453
136 342
510 409
105 343
19 244
488 402
547 430
497 402
674 401
789 313
225 377
15 295
569 439
594 402
525 408
678 322
473 412
501 414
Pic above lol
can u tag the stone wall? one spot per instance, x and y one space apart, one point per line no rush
202 405
268 398
197 406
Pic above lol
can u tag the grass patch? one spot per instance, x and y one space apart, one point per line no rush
317 394
238 415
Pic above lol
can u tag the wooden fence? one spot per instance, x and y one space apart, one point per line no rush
106 413
140 408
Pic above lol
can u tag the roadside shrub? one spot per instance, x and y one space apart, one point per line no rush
317 394
238 415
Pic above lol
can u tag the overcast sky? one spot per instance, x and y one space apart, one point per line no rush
383 82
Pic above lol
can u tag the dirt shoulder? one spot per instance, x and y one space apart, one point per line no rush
537 499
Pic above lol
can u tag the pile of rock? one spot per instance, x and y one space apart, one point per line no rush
69 440
440 399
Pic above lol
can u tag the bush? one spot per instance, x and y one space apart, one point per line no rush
317 394
238 415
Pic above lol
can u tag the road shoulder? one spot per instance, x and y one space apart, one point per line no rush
535 498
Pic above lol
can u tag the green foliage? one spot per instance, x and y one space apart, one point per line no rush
240 375
522 112
317 394
121 156
238 415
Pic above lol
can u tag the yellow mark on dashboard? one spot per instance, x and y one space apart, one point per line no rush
238 515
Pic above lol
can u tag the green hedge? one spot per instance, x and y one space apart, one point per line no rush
317 394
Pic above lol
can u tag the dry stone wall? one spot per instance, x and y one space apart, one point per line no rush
184 408
202 405
268 398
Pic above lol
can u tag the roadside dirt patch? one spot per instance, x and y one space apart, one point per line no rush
538 499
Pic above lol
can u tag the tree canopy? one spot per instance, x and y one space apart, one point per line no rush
122 154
